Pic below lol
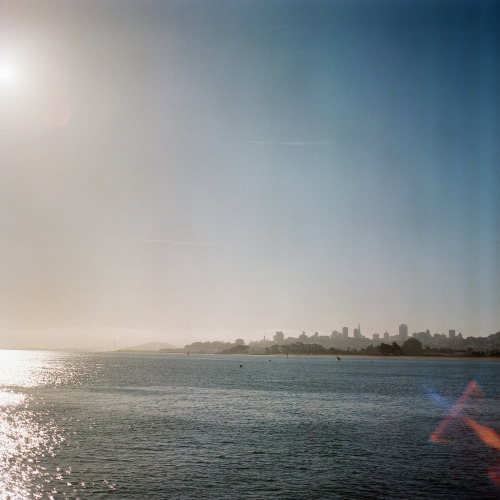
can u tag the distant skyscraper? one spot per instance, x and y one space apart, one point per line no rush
376 336
279 337
403 331
386 336
357 332
345 332
451 334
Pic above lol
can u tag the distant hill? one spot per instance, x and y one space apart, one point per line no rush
151 346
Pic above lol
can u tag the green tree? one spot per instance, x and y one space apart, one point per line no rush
237 349
412 347
385 349
396 350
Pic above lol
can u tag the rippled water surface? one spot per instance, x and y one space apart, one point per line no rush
117 425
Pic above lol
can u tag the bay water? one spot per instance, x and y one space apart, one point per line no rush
137 426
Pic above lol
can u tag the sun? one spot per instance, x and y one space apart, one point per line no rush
7 74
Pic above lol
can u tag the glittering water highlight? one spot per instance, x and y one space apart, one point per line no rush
171 426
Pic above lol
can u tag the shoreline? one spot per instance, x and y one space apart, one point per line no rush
367 356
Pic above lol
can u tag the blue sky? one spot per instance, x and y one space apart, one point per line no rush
184 171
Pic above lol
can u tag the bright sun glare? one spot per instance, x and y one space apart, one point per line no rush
7 74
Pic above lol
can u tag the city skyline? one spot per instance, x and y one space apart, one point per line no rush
403 333
179 171
127 339
419 343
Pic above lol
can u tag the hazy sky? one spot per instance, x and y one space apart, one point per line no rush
193 170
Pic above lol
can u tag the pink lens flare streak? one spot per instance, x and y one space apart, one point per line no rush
486 434
472 388
494 475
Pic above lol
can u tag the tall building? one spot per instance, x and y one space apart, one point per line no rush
376 337
386 336
357 332
345 332
403 331
451 334
279 337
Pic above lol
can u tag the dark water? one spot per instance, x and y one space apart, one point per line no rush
175 426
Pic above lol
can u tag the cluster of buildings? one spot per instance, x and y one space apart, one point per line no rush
450 342
342 340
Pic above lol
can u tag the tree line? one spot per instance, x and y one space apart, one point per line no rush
411 347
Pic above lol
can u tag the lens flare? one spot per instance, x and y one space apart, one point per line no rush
486 434
494 475
472 389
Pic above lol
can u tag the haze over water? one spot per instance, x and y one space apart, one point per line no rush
179 171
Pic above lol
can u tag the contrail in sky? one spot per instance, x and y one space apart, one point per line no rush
291 143
176 242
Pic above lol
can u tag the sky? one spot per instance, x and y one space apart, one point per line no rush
183 170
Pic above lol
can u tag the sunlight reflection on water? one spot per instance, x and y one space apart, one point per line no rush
35 430
25 368
25 440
